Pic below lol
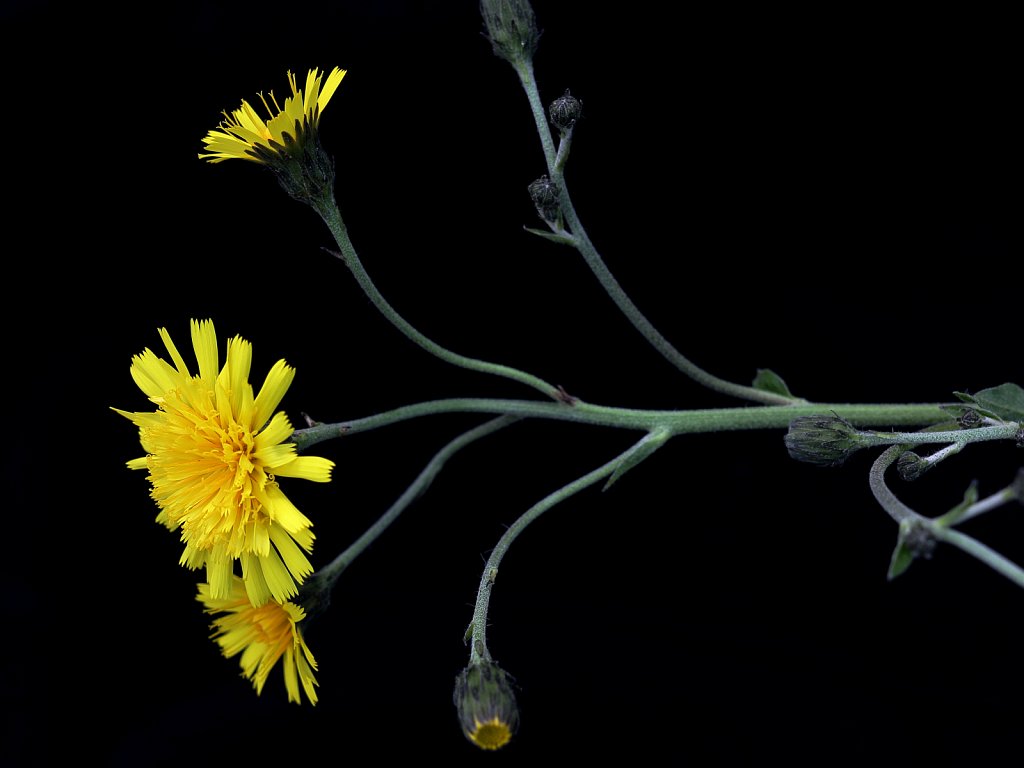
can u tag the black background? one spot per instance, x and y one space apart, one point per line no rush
830 194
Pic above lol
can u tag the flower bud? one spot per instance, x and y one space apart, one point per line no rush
827 441
486 705
511 28
970 419
911 466
544 194
565 111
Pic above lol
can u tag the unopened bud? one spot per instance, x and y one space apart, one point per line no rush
511 28
969 419
544 194
911 466
565 111
827 441
486 705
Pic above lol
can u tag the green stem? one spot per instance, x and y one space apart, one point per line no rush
980 551
607 279
897 510
328 210
319 585
903 514
478 629
676 422
956 436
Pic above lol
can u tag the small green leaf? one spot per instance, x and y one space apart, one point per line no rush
902 557
954 515
963 397
768 380
554 237
653 442
1006 401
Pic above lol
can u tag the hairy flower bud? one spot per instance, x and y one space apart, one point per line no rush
486 705
544 194
827 441
565 111
911 466
511 28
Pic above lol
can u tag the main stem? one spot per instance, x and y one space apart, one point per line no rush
676 422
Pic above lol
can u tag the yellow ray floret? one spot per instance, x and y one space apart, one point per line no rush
242 132
262 635
213 453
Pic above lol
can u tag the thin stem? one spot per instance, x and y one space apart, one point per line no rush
332 217
324 579
608 281
985 554
897 510
956 436
987 504
676 422
478 629
909 519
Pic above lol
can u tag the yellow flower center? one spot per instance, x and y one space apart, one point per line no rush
492 734
205 474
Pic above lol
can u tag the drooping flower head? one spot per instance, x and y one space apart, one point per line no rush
262 635
245 135
214 452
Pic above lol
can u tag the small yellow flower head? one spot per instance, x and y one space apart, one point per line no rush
245 135
262 635
288 142
214 452
486 705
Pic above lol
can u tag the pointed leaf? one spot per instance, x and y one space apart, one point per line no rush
554 237
954 515
963 397
901 560
653 442
768 380
1006 401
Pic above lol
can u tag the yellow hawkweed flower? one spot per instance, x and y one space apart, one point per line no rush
214 452
262 635
244 134
486 705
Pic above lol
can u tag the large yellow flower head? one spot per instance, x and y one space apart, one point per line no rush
244 134
214 452
262 635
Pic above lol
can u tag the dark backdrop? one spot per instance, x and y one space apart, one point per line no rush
831 195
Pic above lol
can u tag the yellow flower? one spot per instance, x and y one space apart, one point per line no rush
244 134
214 452
262 635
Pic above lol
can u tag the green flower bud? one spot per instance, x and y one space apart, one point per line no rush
511 28
544 194
911 466
969 419
486 705
827 441
565 111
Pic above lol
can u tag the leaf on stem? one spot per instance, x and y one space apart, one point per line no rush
768 380
653 442
1006 401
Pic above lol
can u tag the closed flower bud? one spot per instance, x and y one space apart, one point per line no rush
911 466
544 194
970 419
511 28
565 111
486 705
827 441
